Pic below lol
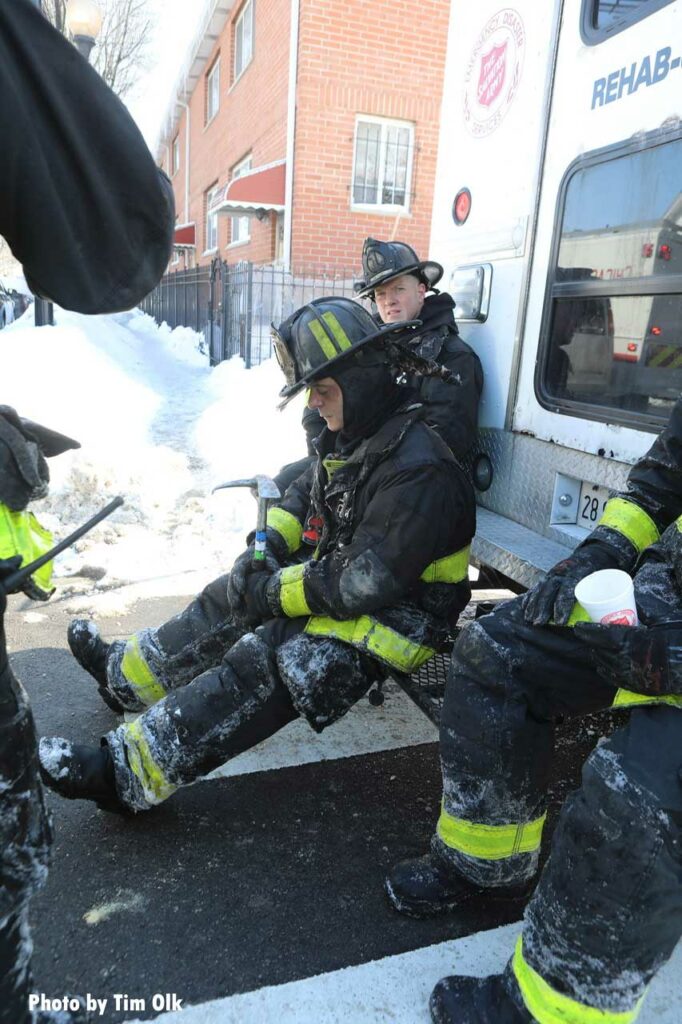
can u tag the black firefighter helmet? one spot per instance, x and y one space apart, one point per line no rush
316 338
384 261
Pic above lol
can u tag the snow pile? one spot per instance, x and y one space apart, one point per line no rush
158 426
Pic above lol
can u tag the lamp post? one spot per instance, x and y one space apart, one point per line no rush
84 21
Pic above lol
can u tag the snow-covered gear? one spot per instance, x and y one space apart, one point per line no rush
327 332
79 772
384 261
387 576
428 885
465 1000
649 657
87 181
88 648
451 407
617 850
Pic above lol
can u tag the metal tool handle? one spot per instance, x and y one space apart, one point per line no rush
15 580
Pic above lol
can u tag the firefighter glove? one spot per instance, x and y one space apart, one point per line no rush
239 575
256 604
644 659
554 598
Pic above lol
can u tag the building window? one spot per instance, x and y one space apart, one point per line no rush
211 238
243 39
382 163
240 226
175 155
612 325
602 19
213 91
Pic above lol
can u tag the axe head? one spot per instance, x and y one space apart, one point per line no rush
264 486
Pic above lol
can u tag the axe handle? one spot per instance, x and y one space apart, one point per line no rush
261 526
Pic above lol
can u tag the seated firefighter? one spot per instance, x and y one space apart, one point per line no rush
366 569
399 284
607 911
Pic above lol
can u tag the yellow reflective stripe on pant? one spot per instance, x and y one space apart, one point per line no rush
292 593
154 784
451 569
551 1007
287 526
374 638
22 534
138 674
489 842
630 520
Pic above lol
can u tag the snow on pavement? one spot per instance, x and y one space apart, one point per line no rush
157 425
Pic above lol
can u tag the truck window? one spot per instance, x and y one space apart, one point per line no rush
602 19
612 327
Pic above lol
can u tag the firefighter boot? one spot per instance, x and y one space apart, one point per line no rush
80 773
426 886
91 652
463 1000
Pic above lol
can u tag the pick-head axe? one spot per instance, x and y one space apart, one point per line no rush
266 491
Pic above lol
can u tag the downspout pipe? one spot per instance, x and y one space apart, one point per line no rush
291 131
188 124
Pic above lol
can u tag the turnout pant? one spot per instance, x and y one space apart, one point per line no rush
608 909
24 843
216 690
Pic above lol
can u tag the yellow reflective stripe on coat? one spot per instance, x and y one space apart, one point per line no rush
331 465
22 534
451 569
632 521
627 698
154 784
287 526
548 1006
489 842
292 592
371 636
138 674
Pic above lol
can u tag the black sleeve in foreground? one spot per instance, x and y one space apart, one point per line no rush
82 204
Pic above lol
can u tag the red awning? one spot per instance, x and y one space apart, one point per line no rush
184 236
255 193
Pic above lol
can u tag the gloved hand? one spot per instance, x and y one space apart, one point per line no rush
645 659
241 570
256 605
7 567
553 599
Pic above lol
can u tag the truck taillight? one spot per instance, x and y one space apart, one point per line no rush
461 207
656 331
665 252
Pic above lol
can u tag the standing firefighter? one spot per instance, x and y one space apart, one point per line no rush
399 283
607 912
85 210
367 567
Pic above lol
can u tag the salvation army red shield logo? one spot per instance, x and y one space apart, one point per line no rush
494 71
491 80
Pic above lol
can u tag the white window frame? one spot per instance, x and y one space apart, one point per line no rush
211 224
175 155
240 227
385 123
213 91
239 27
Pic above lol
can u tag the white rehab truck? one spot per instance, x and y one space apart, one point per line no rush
558 218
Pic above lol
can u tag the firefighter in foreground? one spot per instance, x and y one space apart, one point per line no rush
607 912
85 210
367 568
399 283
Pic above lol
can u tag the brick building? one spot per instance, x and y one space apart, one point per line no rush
303 126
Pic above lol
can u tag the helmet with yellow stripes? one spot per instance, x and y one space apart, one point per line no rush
322 334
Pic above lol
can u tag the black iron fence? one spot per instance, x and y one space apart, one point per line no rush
234 305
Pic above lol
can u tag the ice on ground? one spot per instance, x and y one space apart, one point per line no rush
157 425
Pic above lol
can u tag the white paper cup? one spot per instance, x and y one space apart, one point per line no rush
608 596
